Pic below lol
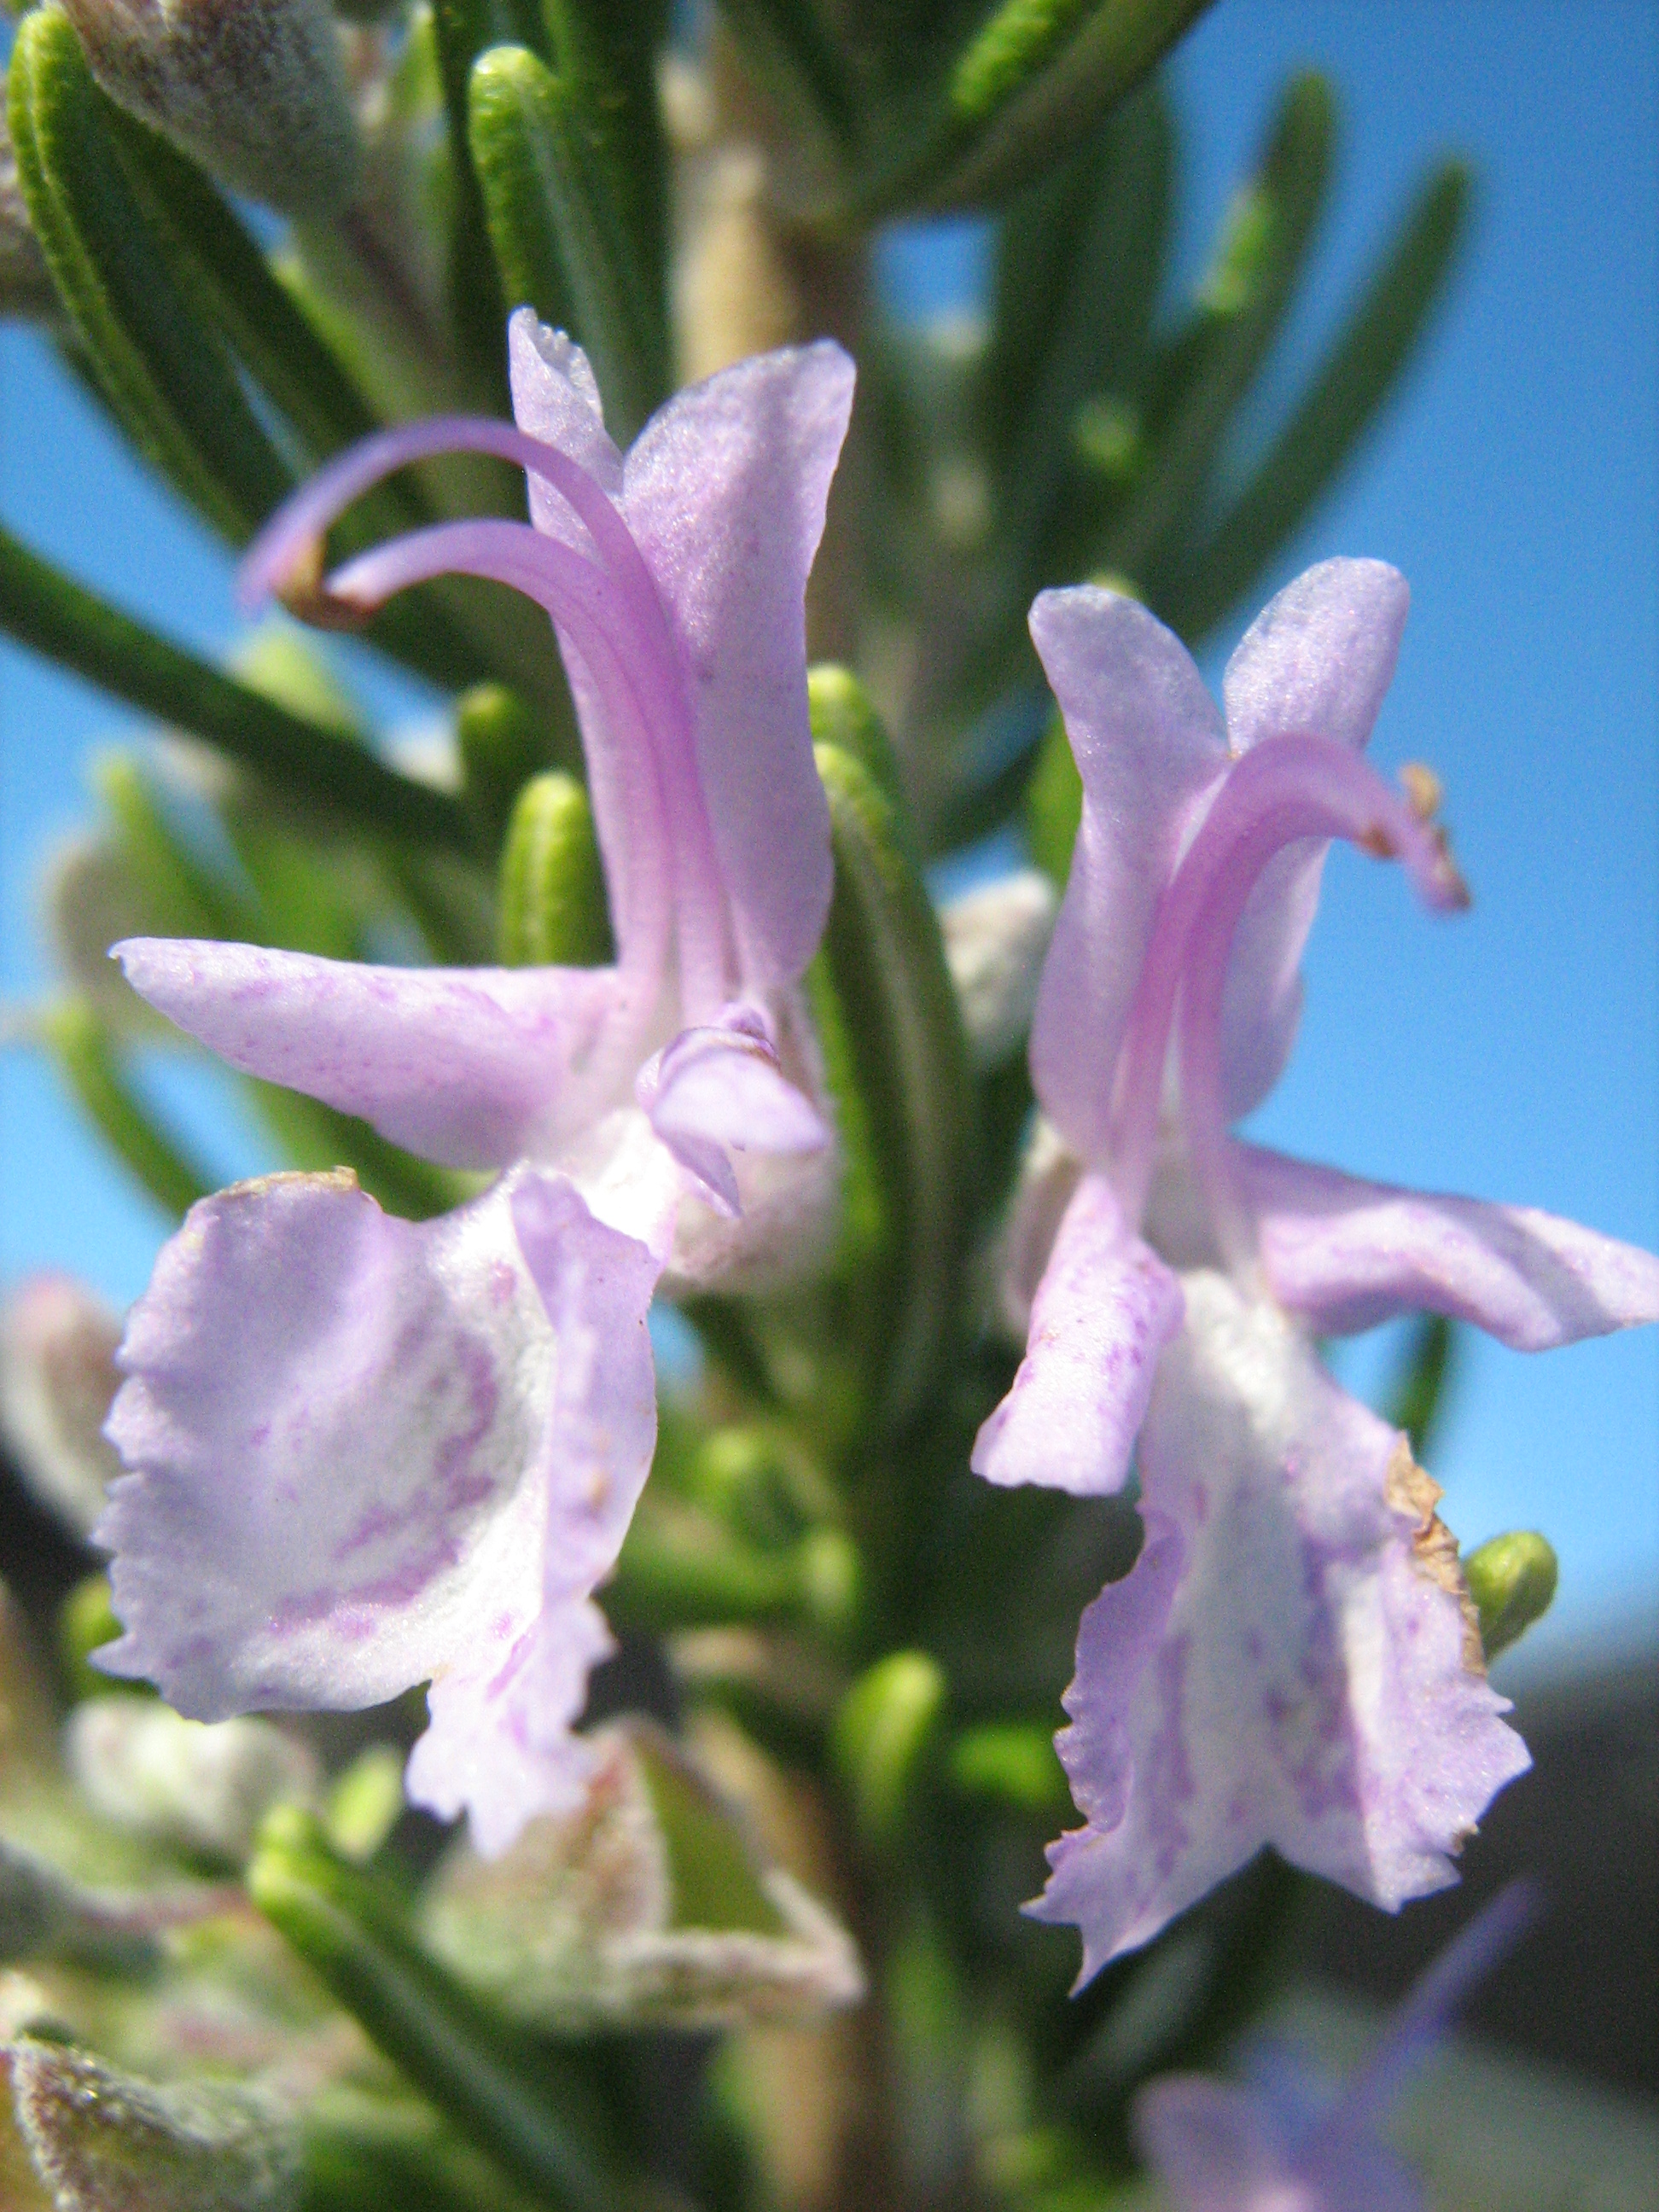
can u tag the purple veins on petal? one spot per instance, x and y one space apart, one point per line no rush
1314 1686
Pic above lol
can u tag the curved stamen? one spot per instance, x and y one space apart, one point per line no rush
1284 789
286 548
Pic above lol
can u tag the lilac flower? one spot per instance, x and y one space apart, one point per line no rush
366 1453
1284 2143
1293 1659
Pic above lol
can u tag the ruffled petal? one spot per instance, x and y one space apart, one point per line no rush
334 1420
472 1067
720 1089
1318 1685
1349 1254
725 493
1316 661
1104 1309
1148 741
500 1743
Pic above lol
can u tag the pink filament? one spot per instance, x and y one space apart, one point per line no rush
1284 789
578 596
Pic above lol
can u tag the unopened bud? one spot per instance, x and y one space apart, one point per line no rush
255 90
201 1786
1512 1581
882 1735
57 1376
994 941
553 910
93 899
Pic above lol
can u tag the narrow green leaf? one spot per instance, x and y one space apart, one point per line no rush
1096 341
795 57
843 714
497 2089
184 899
1033 80
1418 1398
1350 385
606 52
557 230
82 1047
465 29
1054 805
906 1059
163 376
1213 363
44 609
501 745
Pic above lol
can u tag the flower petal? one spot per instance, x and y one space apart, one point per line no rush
556 399
470 1067
1148 740
721 1085
1103 1311
725 494
1318 1685
1348 1253
501 1741
333 1418
1212 2145
1316 661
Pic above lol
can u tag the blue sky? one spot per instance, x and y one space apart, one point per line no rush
1513 1053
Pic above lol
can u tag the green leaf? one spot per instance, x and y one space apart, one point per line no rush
163 376
107 2142
1211 366
1012 1763
43 608
647 1905
558 232
465 29
1356 378
606 50
508 2097
1034 78
501 745
553 909
81 1045
1416 1398
906 1064
1054 805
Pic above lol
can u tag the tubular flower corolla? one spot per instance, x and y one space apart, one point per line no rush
366 1453
1293 1659
1282 2141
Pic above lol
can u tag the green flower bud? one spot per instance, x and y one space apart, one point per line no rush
255 90
553 909
883 1733
1512 1580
